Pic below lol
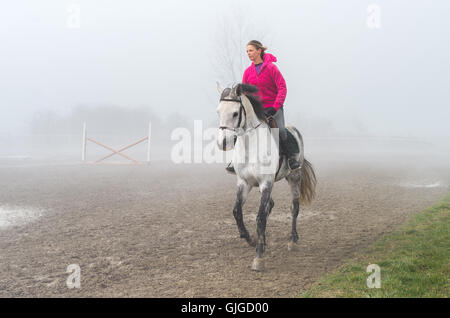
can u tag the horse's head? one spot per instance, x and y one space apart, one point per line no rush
232 114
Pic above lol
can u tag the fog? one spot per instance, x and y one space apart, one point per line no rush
117 65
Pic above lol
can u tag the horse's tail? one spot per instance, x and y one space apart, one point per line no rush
308 183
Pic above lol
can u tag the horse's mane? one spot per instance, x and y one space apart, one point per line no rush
257 104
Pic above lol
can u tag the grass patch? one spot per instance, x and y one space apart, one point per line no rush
414 262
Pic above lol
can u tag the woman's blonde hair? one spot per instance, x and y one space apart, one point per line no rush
258 45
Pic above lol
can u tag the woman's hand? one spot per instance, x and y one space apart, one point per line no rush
269 111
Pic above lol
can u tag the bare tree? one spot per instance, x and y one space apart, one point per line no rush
234 30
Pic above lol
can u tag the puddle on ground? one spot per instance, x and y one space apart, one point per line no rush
13 215
433 184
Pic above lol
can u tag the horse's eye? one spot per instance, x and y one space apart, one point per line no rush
235 114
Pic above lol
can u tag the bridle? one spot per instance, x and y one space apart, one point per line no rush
238 130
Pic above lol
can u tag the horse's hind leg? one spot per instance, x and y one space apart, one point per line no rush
294 182
241 195
271 204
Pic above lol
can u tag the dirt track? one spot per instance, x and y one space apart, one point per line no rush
168 230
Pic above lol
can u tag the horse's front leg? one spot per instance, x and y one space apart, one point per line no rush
261 220
242 192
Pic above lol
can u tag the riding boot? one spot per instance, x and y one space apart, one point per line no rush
289 152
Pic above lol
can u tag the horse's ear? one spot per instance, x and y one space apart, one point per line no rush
238 89
219 89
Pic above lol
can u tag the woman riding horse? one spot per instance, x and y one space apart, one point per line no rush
272 91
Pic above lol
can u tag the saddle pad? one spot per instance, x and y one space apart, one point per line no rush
292 142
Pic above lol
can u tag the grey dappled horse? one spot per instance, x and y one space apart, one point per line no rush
241 117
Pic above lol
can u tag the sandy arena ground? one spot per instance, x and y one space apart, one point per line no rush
168 230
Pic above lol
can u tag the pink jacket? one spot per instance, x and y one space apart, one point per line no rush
270 82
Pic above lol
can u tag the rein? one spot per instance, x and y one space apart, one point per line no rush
238 130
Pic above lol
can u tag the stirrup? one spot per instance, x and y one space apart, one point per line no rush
230 169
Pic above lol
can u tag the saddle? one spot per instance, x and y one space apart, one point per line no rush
290 142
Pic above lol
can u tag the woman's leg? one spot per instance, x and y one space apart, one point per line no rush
279 118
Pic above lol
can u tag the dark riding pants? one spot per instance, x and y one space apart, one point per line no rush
279 118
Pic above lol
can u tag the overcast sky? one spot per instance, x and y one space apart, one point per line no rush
394 80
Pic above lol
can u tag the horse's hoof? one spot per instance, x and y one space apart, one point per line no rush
258 264
292 247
